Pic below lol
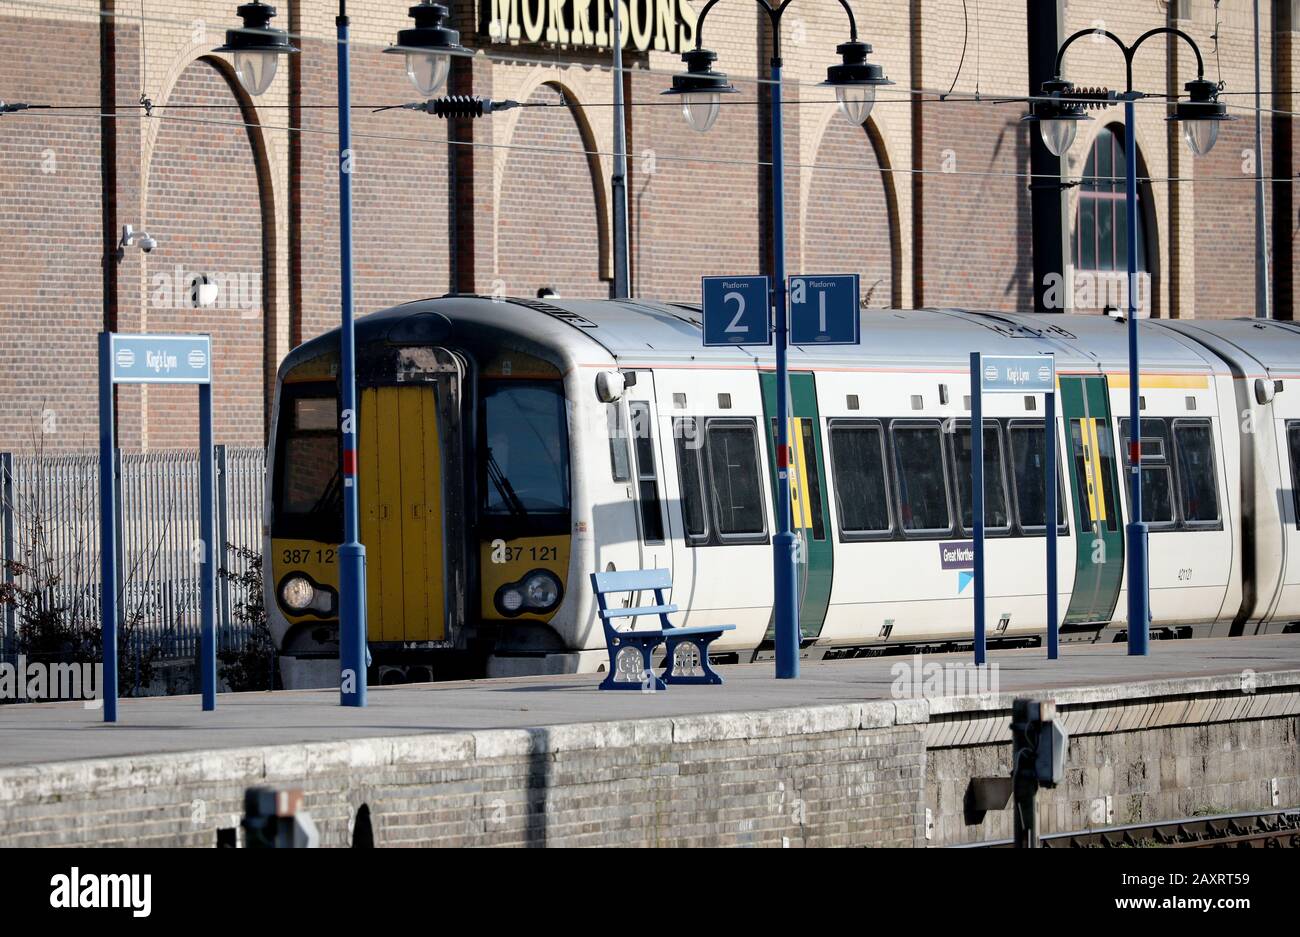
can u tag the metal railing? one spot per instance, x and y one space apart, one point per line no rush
49 544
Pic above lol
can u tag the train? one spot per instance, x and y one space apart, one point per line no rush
508 447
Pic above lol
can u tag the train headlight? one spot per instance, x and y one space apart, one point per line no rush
538 591
298 593
542 590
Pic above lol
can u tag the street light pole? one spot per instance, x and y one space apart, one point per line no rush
352 553
855 82
1058 114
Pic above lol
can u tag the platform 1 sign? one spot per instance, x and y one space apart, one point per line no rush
824 310
1017 374
737 310
161 359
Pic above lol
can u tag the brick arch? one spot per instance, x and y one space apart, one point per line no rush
852 222
553 215
210 203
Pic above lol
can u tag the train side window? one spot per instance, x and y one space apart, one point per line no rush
1028 449
861 480
1157 470
690 468
1198 485
619 461
652 518
734 481
1293 446
921 477
996 518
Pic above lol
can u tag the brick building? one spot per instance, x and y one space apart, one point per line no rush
928 201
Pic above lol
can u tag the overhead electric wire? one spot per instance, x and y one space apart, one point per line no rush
664 157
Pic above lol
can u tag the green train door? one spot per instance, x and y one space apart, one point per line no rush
1094 481
809 506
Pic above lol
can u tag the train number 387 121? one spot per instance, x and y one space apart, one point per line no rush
307 556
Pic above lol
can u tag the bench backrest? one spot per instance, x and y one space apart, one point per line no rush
632 581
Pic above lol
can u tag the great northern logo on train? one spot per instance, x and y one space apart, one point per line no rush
959 555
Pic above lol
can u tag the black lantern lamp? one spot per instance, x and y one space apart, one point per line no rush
855 80
256 47
701 89
1057 116
1200 115
428 47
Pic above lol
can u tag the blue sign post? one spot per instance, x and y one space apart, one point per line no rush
1013 374
824 310
737 310
156 359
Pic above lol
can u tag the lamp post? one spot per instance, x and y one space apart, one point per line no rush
701 89
428 48
1058 114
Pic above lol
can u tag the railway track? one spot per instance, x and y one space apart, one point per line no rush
1263 829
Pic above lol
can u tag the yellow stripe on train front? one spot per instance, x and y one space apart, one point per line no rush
800 504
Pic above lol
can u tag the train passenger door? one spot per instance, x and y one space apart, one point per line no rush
648 472
1094 481
809 508
408 444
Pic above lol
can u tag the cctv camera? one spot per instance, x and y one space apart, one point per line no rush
147 244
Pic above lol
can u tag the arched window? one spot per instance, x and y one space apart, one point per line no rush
1101 232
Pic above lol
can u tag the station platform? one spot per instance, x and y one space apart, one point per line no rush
431 761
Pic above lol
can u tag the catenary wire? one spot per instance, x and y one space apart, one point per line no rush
426 141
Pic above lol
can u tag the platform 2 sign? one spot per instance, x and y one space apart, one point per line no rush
1017 374
161 359
824 310
737 311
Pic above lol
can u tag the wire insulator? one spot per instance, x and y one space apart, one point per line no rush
459 105
1090 98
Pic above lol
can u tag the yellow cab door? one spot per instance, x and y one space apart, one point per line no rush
402 492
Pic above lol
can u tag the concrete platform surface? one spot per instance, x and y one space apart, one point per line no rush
57 732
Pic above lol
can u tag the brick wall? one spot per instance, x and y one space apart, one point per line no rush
693 199
204 209
848 215
699 204
853 774
810 777
548 216
51 241
400 189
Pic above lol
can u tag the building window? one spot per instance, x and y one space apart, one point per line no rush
1100 231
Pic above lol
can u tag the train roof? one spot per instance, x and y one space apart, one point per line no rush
639 331
1251 344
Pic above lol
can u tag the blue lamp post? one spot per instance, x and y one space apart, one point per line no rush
1058 114
428 48
701 89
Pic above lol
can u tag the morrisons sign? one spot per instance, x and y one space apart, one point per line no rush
661 25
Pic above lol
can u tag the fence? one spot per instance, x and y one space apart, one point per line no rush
49 544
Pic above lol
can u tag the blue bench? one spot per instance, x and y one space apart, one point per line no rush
687 658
